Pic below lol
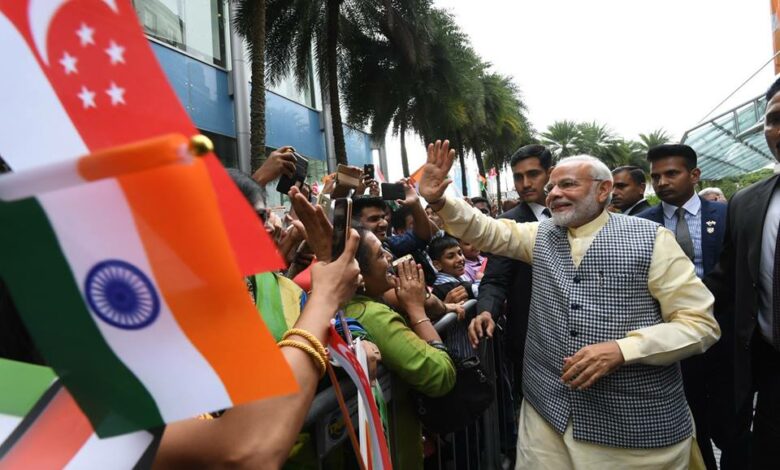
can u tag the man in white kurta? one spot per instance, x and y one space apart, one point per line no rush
564 422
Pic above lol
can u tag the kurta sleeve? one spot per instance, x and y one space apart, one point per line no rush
503 237
689 326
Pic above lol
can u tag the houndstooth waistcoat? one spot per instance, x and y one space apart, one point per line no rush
637 406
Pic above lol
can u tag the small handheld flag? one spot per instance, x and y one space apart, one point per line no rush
345 357
145 318
52 432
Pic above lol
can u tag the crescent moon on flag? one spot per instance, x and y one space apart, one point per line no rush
40 13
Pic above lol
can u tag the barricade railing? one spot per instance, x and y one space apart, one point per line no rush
475 447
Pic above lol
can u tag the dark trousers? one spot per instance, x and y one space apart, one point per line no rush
765 439
695 380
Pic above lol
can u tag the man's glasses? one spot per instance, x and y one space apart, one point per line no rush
567 184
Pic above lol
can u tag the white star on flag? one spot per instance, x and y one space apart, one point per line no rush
111 4
116 53
87 97
85 34
69 63
116 93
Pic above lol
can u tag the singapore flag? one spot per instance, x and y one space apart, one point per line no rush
79 76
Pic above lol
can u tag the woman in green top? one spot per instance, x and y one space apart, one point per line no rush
404 341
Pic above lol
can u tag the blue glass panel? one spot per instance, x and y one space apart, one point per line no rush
289 123
358 145
202 89
211 107
172 64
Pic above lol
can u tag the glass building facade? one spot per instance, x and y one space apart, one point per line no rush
191 41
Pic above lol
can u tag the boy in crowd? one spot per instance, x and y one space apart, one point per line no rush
453 287
474 261
452 284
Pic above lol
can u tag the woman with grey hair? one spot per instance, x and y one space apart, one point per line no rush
713 194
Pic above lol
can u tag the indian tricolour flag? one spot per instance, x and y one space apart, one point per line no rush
128 286
41 427
373 443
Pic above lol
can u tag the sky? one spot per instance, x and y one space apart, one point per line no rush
635 66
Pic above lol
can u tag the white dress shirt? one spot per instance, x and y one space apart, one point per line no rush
693 218
767 266
538 211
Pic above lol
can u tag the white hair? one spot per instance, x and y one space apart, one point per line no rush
717 191
598 170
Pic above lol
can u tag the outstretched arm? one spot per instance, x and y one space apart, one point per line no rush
422 225
502 237
260 434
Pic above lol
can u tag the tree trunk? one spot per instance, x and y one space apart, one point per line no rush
481 170
498 189
462 158
333 80
404 155
257 97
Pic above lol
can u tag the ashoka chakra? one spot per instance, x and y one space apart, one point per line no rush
121 295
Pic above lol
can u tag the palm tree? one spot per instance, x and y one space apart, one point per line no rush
594 139
657 137
561 138
386 46
623 152
448 95
504 128
250 24
295 31
502 144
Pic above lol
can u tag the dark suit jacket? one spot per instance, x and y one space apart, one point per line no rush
735 280
509 280
639 208
711 242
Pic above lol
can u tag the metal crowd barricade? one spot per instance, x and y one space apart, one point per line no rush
475 447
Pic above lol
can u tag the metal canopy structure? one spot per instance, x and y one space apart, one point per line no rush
732 144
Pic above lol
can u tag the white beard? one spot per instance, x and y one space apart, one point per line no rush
581 212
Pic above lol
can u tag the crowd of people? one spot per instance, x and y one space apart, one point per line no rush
637 336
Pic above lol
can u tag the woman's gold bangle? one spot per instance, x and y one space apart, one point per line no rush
318 359
422 320
310 338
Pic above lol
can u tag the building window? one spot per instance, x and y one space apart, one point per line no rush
196 27
225 147
287 88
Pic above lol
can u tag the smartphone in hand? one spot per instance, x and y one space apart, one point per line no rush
342 222
368 171
301 170
399 261
393 191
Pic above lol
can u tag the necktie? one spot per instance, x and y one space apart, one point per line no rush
546 213
776 296
682 234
